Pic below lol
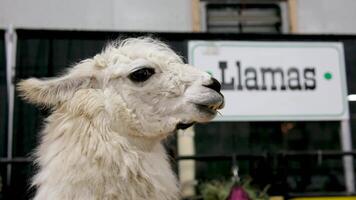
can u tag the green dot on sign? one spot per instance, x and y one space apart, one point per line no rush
328 76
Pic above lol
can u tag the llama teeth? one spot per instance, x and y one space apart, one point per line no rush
212 107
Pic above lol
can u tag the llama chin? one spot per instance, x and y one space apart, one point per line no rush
110 113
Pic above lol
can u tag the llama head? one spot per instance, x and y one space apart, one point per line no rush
139 85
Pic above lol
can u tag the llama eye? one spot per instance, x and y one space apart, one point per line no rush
141 74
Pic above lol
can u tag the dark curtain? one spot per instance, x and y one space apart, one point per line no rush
292 174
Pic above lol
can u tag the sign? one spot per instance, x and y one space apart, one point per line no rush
276 80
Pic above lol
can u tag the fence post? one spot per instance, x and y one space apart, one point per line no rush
346 145
10 44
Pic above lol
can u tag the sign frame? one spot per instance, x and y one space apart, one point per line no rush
338 46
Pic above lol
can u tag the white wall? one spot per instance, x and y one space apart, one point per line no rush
326 16
314 16
125 15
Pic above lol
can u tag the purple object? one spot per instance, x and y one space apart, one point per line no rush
238 193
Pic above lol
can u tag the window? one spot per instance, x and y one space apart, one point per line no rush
244 17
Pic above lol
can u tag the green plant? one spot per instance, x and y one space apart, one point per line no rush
216 190
220 190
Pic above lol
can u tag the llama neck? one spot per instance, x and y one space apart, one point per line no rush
142 143
87 153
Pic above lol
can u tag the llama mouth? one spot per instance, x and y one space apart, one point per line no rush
210 109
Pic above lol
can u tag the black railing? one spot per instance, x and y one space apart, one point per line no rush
282 158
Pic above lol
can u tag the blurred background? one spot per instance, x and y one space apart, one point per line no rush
293 156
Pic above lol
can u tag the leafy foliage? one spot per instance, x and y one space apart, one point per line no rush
220 190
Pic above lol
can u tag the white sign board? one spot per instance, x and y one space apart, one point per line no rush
276 80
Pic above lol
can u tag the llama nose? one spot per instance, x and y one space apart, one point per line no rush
215 85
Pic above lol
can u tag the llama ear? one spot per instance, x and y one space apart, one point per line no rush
50 92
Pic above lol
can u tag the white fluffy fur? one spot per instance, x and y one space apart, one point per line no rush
102 140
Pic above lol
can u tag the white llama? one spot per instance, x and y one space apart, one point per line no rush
110 114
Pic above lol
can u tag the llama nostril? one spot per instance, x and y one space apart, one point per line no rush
215 85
